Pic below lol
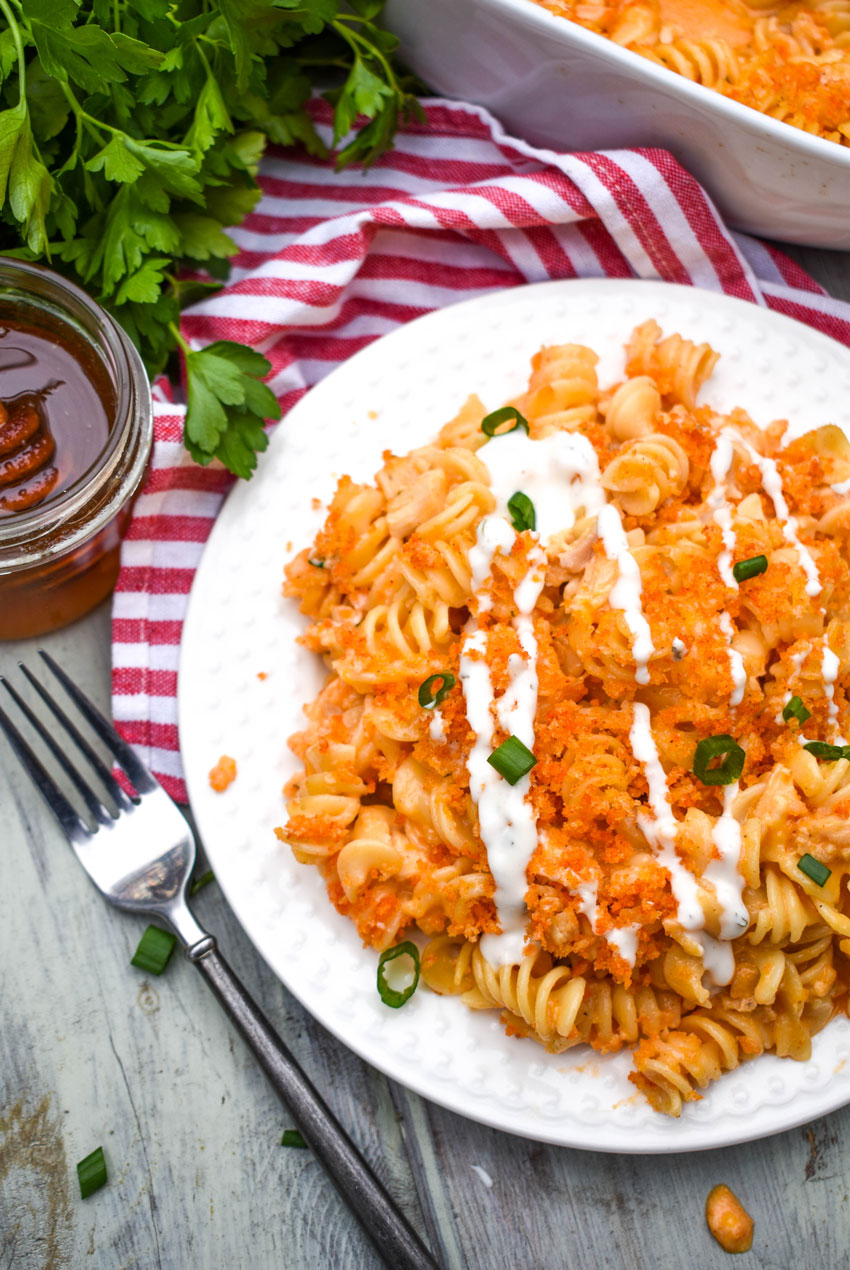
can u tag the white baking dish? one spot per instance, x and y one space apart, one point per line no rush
557 85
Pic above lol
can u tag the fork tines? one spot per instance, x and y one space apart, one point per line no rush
73 824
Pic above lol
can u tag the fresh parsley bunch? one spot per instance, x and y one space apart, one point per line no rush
130 136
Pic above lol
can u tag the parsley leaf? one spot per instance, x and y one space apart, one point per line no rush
223 375
131 132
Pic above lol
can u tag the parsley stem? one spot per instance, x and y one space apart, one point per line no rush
202 55
353 38
175 331
82 116
19 51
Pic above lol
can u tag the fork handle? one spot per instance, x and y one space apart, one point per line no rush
393 1236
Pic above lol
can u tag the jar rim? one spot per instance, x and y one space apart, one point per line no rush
52 528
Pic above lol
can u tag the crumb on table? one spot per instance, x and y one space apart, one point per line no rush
728 1220
261 674
223 774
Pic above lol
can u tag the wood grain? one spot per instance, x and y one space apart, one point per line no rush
94 1052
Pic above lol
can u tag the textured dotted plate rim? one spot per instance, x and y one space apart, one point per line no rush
396 393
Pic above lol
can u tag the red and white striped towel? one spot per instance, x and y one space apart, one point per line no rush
330 260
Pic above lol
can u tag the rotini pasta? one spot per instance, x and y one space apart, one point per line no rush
789 60
623 819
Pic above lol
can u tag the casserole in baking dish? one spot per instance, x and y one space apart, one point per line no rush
557 84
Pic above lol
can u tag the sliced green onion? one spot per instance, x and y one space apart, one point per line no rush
821 749
813 869
522 512
742 570
92 1173
391 996
155 947
428 698
292 1138
512 759
316 562
794 709
491 422
727 772
202 881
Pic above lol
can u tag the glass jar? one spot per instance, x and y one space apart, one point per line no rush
59 558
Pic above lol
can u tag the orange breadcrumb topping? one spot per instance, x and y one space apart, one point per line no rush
790 60
223 774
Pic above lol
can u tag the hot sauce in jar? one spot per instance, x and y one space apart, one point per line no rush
75 436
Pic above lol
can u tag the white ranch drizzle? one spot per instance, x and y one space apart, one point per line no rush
506 821
723 873
435 727
494 534
721 508
721 462
772 482
625 940
829 668
736 661
797 660
622 938
717 958
626 592
560 474
661 830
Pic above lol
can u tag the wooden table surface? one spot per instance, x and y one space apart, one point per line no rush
93 1052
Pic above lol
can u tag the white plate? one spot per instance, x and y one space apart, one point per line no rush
555 84
398 392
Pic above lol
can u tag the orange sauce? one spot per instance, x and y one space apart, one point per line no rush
710 20
789 60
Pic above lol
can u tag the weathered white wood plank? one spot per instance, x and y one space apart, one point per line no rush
572 1210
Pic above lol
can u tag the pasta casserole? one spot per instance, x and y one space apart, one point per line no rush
584 723
789 59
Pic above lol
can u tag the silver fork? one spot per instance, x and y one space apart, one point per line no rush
120 856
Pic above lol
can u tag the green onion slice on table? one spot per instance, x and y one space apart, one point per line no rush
92 1173
292 1138
155 948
